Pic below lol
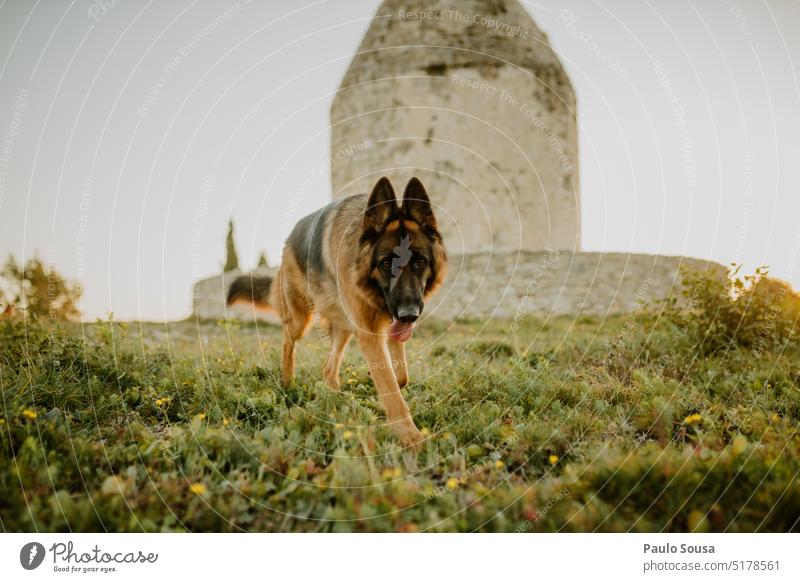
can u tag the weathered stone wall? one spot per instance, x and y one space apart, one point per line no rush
468 96
513 285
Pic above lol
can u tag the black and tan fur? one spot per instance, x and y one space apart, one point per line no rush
344 263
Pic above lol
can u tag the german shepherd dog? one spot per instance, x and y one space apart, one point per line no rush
366 265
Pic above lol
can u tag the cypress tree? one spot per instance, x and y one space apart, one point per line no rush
231 258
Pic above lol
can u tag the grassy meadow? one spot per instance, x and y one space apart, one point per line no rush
676 418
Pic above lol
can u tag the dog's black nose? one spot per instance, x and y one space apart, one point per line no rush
408 313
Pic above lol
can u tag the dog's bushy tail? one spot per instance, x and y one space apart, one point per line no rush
250 289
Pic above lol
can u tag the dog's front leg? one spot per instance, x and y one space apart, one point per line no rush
398 352
376 352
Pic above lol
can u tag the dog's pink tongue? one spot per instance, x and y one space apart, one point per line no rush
401 331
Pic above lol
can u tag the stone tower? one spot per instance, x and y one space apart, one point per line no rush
469 96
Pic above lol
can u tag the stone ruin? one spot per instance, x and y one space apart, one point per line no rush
469 96
480 110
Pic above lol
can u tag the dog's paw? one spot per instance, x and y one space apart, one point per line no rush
332 382
410 436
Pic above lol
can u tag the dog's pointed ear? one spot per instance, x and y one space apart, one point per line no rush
381 207
417 205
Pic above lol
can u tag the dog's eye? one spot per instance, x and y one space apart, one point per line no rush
386 264
420 262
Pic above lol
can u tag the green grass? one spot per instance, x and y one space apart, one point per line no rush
630 423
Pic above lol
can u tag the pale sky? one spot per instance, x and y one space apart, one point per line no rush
129 134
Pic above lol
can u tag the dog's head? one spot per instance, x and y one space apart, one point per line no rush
408 258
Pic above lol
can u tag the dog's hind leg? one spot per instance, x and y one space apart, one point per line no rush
340 337
293 330
296 312
398 353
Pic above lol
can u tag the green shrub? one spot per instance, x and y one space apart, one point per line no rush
754 311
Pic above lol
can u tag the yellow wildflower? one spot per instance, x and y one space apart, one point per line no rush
553 459
498 464
392 473
425 432
347 434
452 483
693 419
197 488
739 444
697 522
28 413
